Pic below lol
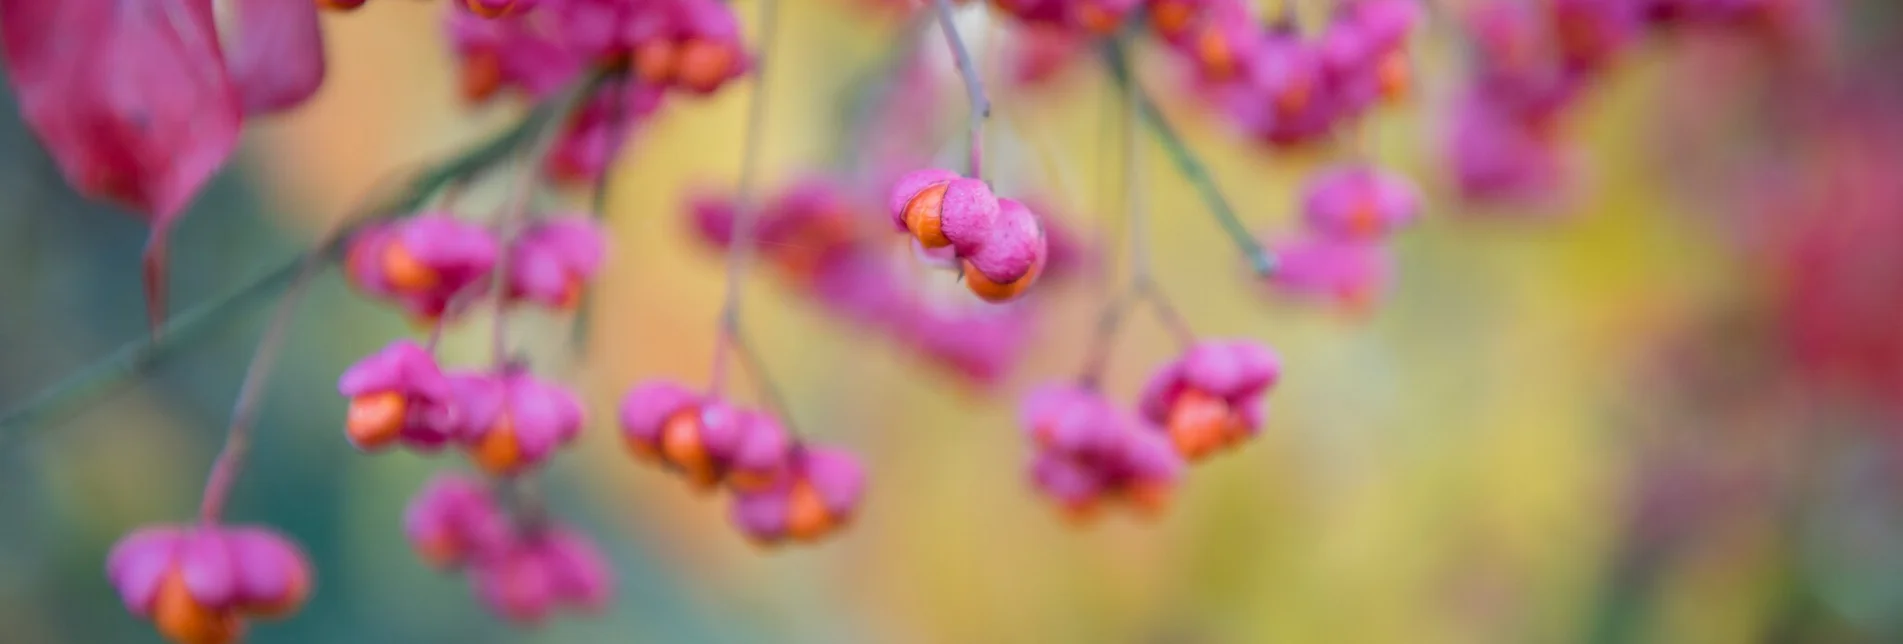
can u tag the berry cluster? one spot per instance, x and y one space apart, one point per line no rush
998 243
1089 453
521 574
1340 255
199 583
816 235
537 48
1531 63
782 488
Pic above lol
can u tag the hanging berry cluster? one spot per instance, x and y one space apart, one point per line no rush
818 235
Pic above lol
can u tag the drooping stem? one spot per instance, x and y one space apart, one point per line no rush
527 506
745 213
112 373
1260 259
763 379
1137 256
244 412
1101 340
974 86
515 211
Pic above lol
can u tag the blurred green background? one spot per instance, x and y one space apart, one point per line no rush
1564 427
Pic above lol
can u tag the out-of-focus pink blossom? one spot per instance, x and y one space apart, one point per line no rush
454 521
1211 397
818 496
399 395
1351 275
1358 202
555 568
552 261
421 263
708 441
197 584
514 421
1090 454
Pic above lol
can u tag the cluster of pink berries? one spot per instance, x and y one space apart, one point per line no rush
436 267
1532 62
523 570
998 243
1282 88
199 583
782 488
816 235
1341 255
537 48
1090 454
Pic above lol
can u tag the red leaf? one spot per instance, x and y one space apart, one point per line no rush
131 99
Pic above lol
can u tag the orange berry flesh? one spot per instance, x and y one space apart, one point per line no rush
1170 18
404 271
807 518
498 453
680 444
994 292
1395 75
752 480
441 551
182 619
706 64
657 61
1080 514
1148 499
1364 219
376 420
489 10
1213 51
1096 20
1199 424
481 76
922 216
1295 98
297 590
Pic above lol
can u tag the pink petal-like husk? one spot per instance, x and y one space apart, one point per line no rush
276 54
968 214
1012 247
648 405
909 186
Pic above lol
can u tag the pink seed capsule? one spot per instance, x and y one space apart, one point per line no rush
197 584
817 498
398 395
551 263
454 520
1211 398
514 421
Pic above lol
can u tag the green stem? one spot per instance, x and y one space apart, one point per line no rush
116 370
1260 259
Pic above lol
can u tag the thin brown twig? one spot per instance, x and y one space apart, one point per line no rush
974 86
740 251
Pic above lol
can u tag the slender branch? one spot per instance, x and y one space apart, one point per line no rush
1260 259
527 506
1098 357
974 86
867 98
244 412
769 388
515 210
112 373
745 214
